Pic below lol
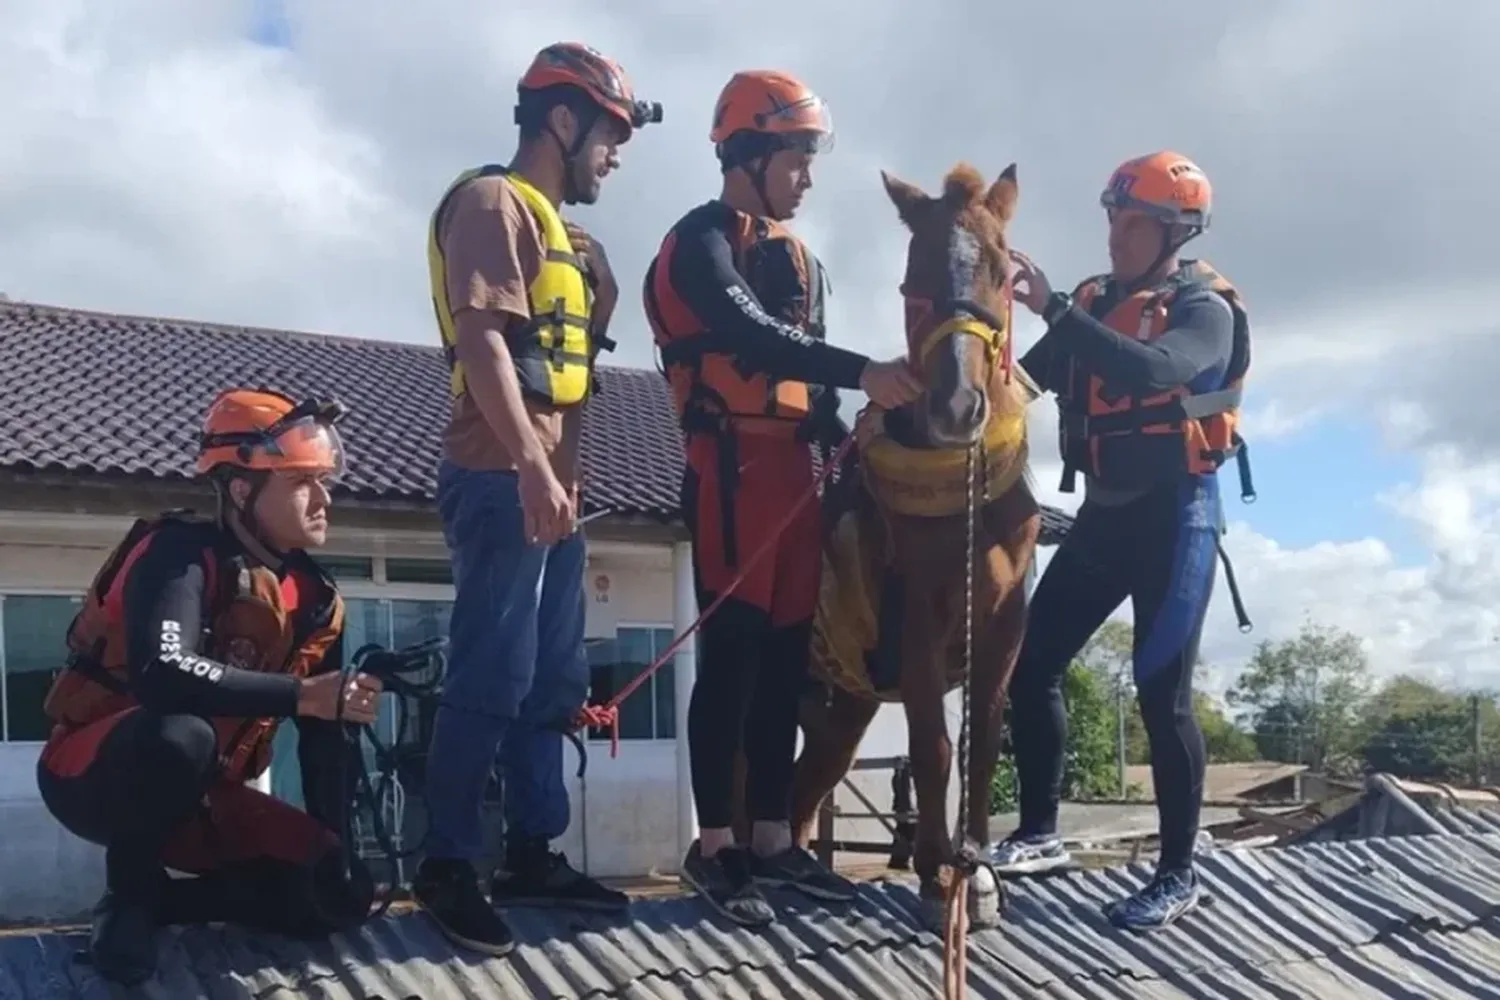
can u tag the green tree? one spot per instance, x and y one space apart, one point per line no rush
1089 760
1305 695
1089 769
1107 655
1223 741
1414 729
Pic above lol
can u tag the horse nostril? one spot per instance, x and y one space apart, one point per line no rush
975 411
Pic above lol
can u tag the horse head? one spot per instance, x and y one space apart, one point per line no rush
958 295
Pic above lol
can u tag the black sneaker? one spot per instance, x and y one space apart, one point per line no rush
797 869
726 883
449 892
536 876
122 942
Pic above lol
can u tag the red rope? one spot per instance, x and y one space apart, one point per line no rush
607 716
1007 362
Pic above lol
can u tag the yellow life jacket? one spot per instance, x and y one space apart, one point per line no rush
554 352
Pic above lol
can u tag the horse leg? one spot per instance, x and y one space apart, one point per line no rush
931 750
997 647
832 727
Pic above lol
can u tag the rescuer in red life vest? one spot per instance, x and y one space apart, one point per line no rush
197 637
1147 363
735 303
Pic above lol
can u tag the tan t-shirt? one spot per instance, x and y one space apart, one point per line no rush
493 247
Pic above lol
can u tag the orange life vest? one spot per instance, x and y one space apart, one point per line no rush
249 627
1129 441
711 392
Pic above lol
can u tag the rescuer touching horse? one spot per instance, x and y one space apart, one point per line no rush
1147 363
523 301
735 303
196 638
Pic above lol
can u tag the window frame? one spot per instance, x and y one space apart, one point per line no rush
649 627
360 589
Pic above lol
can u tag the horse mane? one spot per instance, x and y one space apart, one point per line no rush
963 186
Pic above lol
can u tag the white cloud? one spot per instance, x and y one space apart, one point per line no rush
155 161
1438 618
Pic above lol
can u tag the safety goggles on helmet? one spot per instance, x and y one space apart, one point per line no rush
304 440
1113 201
805 125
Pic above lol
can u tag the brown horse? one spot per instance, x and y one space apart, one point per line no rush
891 622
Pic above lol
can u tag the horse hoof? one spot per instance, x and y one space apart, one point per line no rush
986 900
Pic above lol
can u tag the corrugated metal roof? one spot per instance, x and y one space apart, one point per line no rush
1461 820
1399 807
1406 917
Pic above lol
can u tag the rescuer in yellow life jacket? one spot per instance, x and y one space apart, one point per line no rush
523 300
196 638
1147 364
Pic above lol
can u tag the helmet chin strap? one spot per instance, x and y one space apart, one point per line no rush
586 120
1168 248
242 522
755 167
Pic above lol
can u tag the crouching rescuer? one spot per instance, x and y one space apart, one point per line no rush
197 637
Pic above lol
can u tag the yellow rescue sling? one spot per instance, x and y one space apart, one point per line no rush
554 352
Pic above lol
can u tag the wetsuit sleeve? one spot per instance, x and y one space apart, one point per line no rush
326 791
704 275
1041 363
1200 338
164 594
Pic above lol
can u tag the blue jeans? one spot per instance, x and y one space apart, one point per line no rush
517 670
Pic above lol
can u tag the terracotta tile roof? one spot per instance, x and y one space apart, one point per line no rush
101 394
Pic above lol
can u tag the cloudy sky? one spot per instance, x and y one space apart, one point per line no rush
274 165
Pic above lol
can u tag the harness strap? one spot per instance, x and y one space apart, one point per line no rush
1082 426
1234 588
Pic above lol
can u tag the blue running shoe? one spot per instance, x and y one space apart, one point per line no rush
1168 896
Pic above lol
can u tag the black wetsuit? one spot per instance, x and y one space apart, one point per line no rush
1153 541
145 783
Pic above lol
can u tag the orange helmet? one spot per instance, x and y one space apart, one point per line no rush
262 430
771 103
1165 185
597 75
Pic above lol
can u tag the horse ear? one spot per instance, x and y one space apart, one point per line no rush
1001 198
909 199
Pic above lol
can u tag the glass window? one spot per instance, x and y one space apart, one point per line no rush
665 687
365 621
413 622
35 647
649 713
418 571
348 567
